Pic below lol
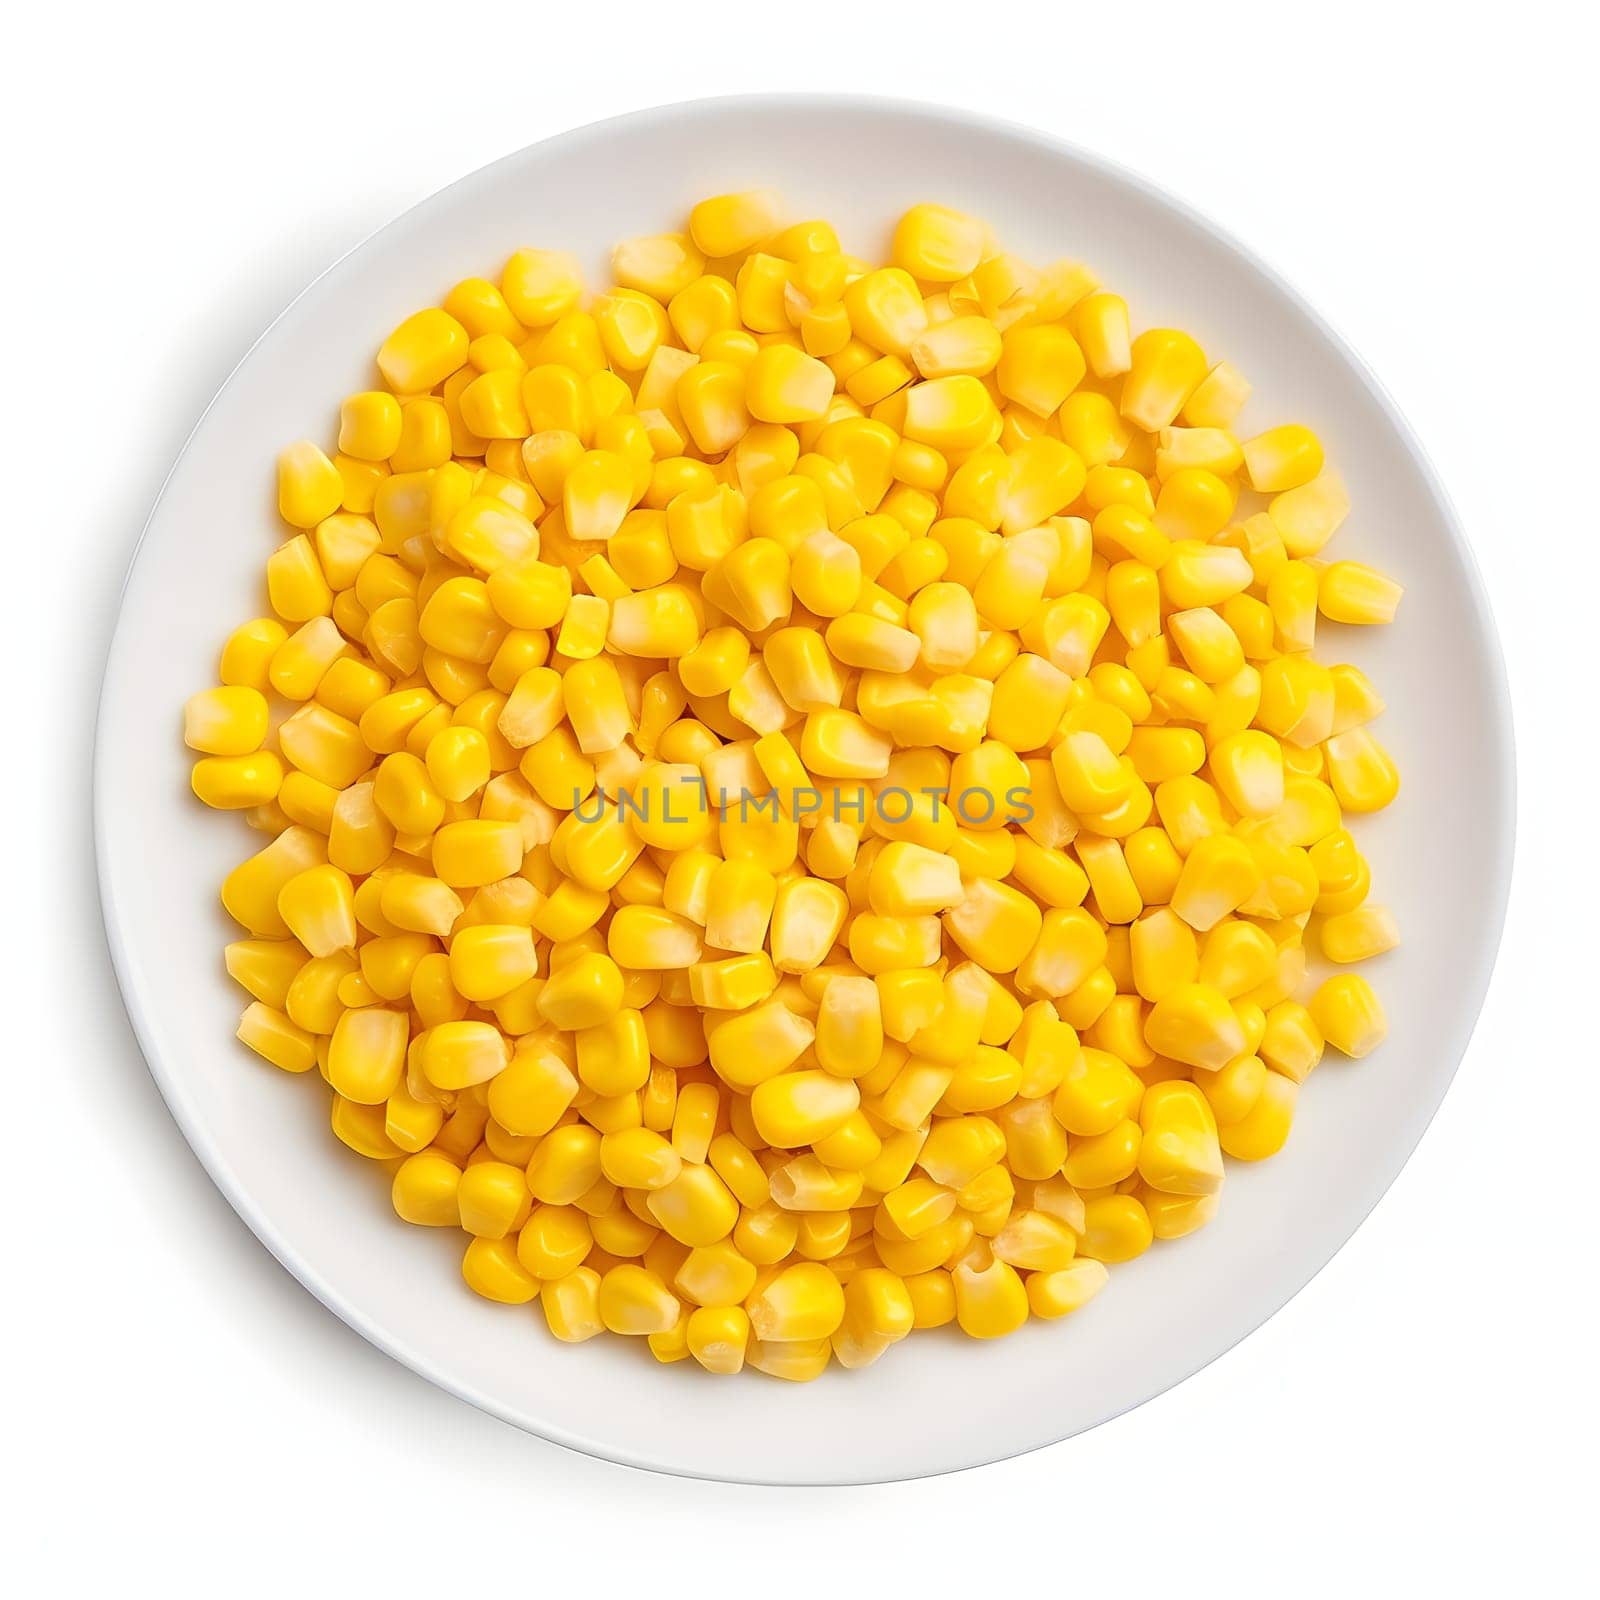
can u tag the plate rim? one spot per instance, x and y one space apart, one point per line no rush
1497 873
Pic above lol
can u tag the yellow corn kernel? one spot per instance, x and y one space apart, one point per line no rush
1360 934
796 1360
582 994
1208 647
1237 958
711 397
309 485
541 286
318 907
1248 769
362 1129
995 925
247 656
826 574
1347 591
490 1268
1348 1015
849 1027
1104 1159
1070 946
424 1190
1306 518
490 960
991 1300
1097 1091
1165 368
422 352
1030 698
1090 776
730 224
1360 771
755 1045
1116 1228
1355 701
457 763
801 1108
703 306
878 1313
230 721
1195 1024
275 1038
1066 1289
1193 504
596 495
369 425
1039 367
457 1055
839 744
950 413
1100 322
565 1165
937 244
493 1199
572 1305
366 1055
908 880
718 1337
265 967
637 1158
1218 399
530 1094
1262 1131
933 1301
1035 1241
1282 458
965 345
733 984
703 527
470 853
1179 1152
786 385
554 1241
802 1302
1291 1041
859 640
802 670
696 1208
295 582
651 939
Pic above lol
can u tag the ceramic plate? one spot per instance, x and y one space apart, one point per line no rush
1441 855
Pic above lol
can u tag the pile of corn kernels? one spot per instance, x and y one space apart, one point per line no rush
805 785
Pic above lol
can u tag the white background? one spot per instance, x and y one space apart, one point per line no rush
176 1405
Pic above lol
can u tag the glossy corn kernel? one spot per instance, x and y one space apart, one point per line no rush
1347 591
1282 458
949 413
1360 770
991 1300
804 1301
1165 368
423 351
937 244
786 385
1348 1015
730 224
798 814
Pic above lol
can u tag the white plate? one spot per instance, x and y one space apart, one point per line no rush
1441 856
